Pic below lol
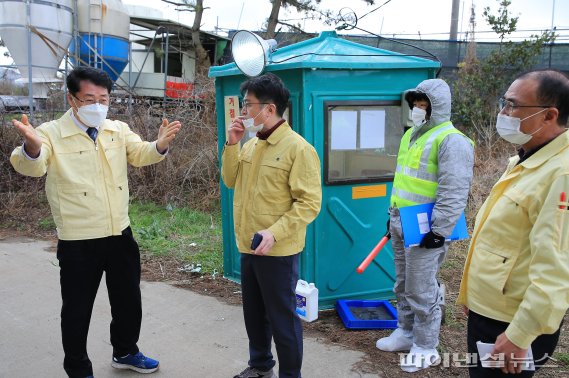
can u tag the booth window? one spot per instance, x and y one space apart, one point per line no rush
362 141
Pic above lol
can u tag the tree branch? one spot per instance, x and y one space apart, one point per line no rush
185 6
176 3
293 27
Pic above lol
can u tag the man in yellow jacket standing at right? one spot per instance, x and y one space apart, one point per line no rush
514 287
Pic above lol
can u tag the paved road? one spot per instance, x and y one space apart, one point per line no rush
191 335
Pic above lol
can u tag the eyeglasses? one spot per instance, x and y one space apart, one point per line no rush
510 106
249 104
92 100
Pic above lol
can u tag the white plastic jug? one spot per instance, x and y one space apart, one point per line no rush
306 301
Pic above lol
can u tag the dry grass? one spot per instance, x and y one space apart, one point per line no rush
22 199
490 162
189 177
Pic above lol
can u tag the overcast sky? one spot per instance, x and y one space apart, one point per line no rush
404 18
427 19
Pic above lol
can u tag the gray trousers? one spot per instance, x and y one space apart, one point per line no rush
416 287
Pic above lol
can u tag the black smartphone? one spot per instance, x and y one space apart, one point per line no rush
256 241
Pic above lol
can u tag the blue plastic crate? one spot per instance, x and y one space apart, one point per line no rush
359 314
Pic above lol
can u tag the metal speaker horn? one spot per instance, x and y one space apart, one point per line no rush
251 52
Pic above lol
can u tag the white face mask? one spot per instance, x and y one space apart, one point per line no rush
93 115
418 116
509 128
249 123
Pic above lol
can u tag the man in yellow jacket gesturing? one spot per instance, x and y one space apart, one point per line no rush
85 156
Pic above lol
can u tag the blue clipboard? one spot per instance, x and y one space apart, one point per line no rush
416 222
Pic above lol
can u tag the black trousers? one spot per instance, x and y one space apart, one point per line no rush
481 328
268 285
82 263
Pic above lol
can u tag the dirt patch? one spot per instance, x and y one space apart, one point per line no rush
329 327
167 269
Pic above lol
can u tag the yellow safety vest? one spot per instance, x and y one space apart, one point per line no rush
415 179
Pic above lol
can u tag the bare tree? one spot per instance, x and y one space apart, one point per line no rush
197 7
310 9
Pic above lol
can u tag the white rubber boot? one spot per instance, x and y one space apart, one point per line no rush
400 340
419 358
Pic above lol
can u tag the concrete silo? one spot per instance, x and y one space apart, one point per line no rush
103 36
37 34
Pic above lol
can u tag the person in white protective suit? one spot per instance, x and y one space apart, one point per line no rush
434 165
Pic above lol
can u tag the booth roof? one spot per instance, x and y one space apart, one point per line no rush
328 51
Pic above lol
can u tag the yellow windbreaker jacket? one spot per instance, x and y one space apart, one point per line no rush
277 187
87 186
517 266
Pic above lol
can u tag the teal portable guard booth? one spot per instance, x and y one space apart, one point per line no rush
346 100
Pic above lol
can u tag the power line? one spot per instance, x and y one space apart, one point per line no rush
515 36
373 10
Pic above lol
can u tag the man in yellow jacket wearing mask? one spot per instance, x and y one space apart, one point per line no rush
276 177
514 286
85 156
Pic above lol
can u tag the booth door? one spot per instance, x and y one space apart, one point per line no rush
361 141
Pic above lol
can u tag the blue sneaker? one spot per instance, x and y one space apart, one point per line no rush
138 362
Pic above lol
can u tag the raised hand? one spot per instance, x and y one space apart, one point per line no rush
166 134
32 141
235 131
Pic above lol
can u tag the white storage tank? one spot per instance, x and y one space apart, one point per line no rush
49 23
103 27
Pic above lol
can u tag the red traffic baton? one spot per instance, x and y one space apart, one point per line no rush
374 253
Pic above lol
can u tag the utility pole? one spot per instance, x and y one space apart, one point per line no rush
453 37
552 31
552 14
454 20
